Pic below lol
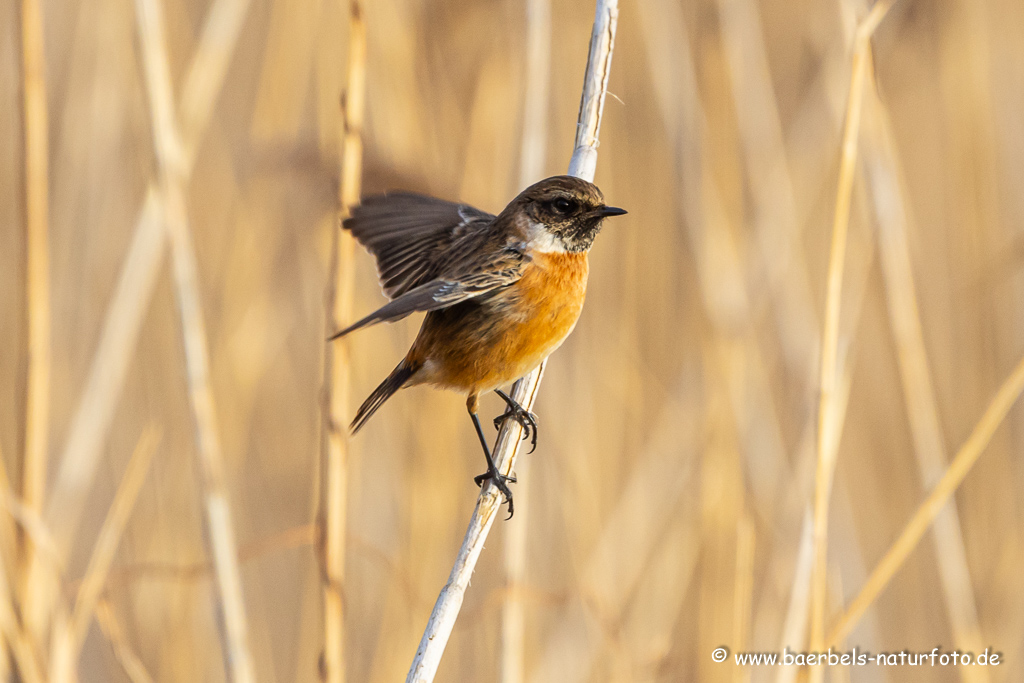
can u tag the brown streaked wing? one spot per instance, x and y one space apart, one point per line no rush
425 267
411 235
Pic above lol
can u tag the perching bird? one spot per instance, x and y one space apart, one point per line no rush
501 292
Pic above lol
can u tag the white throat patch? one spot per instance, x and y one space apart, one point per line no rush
541 240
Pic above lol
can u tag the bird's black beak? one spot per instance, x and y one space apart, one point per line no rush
611 211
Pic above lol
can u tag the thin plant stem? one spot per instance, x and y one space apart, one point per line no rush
169 150
830 336
294 537
67 642
746 537
24 647
582 165
37 273
337 361
123 653
15 640
38 255
880 161
126 312
954 475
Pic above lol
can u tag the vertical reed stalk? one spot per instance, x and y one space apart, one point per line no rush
337 361
170 157
9 625
16 643
743 590
533 154
108 370
37 272
582 165
880 160
827 425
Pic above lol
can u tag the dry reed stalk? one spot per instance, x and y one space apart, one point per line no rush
919 396
34 526
743 590
954 475
533 154
582 165
650 506
794 627
794 630
718 250
827 429
774 216
37 272
67 641
295 537
449 602
108 370
15 640
658 603
513 612
337 361
734 358
169 151
24 644
37 404
130 663
7 618
8 534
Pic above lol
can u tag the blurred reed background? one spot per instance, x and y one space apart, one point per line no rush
669 505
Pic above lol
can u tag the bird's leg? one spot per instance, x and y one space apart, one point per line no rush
500 480
524 417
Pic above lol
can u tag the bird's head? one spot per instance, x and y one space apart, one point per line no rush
562 213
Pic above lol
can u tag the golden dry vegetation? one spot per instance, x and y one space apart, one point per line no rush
669 508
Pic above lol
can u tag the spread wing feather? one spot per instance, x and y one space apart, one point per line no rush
409 234
432 254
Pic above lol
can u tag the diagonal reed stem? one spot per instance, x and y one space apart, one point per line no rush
936 501
123 653
108 370
882 172
582 165
71 633
170 157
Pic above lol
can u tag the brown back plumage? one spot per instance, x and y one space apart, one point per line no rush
432 253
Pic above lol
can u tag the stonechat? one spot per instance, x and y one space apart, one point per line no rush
500 292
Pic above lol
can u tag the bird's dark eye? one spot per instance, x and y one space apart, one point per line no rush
564 206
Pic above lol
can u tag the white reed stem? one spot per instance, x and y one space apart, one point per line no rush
583 165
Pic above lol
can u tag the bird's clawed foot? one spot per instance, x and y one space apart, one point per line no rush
526 419
501 482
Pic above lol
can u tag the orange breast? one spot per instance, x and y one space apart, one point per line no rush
480 345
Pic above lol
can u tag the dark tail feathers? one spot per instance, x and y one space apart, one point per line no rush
395 381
